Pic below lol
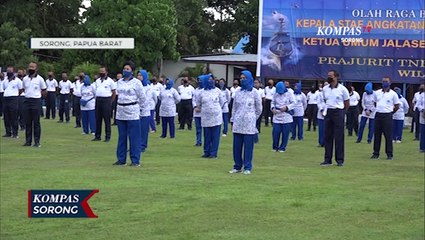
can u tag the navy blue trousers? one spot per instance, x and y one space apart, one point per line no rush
297 123
422 137
383 125
144 130
88 118
280 130
363 121
321 124
243 150
397 129
211 140
64 107
198 130
334 135
152 120
128 129
225 122
168 122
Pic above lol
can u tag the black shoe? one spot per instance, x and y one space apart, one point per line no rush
374 156
369 142
389 158
118 163
15 136
134 165
77 126
114 124
22 129
358 141
162 136
67 122
27 145
46 118
189 128
37 145
325 164
292 138
340 165
308 130
60 121
107 140
213 157
350 134
416 139
197 145
205 156
7 135
320 146
96 139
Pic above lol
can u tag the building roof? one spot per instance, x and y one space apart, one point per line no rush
226 59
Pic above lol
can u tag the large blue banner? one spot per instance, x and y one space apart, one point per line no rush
364 40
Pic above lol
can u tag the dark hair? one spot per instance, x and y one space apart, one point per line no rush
105 67
131 64
336 74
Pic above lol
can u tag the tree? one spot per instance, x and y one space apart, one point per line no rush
151 23
246 20
14 46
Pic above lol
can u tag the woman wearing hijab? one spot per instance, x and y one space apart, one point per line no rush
145 108
169 97
282 106
210 103
398 117
87 105
226 96
247 108
298 117
131 93
368 113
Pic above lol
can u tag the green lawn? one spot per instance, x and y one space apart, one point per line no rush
178 195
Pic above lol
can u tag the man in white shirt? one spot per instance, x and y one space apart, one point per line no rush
12 87
105 95
34 87
353 112
185 110
260 91
1 93
115 101
387 103
269 92
336 98
65 87
416 115
52 87
76 96
312 101
157 87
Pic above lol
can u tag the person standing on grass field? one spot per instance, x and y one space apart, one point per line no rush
226 96
337 100
12 87
353 112
185 110
52 87
197 114
282 106
321 112
131 94
257 86
269 92
247 109
76 96
369 110
416 117
169 97
105 95
145 108
312 108
65 87
299 109
232 95
210 103
87 106
34 87
421 108
387 103
398 117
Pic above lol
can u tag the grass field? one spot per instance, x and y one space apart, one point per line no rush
178 195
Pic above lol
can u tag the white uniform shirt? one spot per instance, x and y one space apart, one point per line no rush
76 91
269 92
385 101
185 92
335 97
104 87
247 108
51 85
169 98
368 105
233 90
1 86
415 100
421 107
88 93
157 88
211 102
11 88
300 104
312 98
150 103
194 99
354 99
33 86
280 100
226 97
402 110
129 91
65 86
321 105
261 93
